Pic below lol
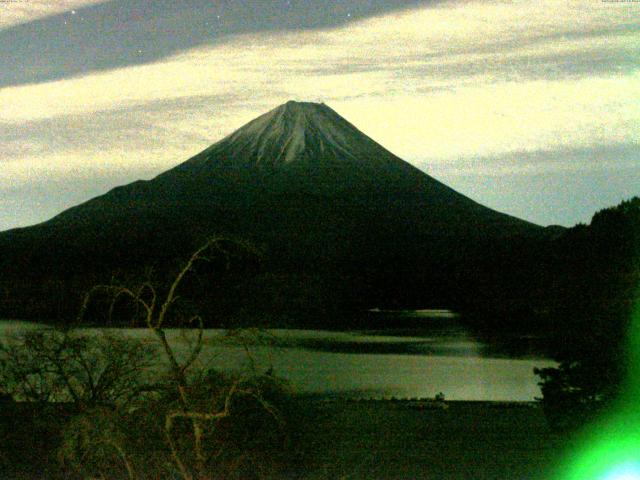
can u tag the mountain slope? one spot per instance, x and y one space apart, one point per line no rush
302 149
317 195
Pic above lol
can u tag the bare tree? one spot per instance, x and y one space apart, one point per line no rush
86 376
81 368
187 399
133 415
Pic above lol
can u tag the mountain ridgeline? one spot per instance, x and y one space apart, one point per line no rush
341 223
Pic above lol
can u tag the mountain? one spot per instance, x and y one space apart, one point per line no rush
321 199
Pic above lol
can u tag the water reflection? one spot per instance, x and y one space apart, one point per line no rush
439 356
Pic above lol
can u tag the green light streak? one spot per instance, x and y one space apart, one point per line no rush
610 448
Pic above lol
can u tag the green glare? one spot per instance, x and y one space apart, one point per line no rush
625 471
610 448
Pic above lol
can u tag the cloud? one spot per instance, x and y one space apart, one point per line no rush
614 157
562 186
16 12
493 118
119 33
455 87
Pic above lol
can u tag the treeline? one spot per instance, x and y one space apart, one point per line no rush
582 277
593 302
546 281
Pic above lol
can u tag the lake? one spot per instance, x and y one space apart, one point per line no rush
438 356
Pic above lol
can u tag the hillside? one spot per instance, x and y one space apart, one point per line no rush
320 199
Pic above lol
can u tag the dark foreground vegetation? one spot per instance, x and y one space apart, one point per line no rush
594 306
101 405
107 406
326 440
89 405
76 406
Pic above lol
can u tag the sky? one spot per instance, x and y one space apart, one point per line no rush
530 108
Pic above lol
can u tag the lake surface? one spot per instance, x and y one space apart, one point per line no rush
438 356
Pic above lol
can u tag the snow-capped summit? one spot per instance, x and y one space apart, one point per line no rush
303 147
299 155
319 197
298 132
294 131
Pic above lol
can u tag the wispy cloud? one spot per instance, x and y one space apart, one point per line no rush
16 12
565 185
613 157
457 85
120 33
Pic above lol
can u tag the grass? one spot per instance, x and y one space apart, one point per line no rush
395 440
398 440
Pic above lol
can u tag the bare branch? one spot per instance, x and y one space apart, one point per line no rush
171 296
116 292
195 352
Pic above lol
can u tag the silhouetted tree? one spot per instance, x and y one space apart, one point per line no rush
146 406
597 277
194 404
80 368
